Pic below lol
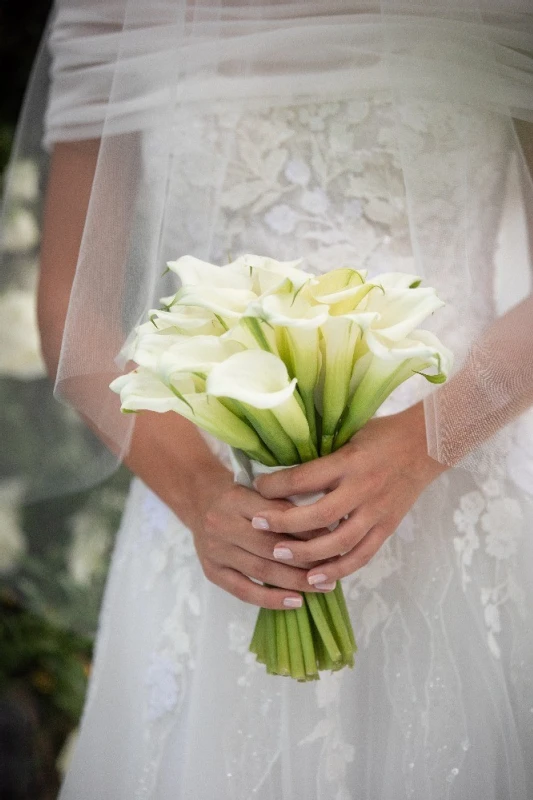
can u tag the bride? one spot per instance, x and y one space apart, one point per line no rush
376 135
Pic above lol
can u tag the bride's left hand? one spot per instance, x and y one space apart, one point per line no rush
373 481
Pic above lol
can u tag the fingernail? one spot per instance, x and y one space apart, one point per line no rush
283 553
319 578
260 523
326 587
293 602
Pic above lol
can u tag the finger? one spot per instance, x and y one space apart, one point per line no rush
247 502
352 561
249 592
258 543
332 544
315 476
274 574
322 514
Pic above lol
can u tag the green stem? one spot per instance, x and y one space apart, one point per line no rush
338 591
339 626
272 434
297 669
326 445
271 647
309 405
282 642
306 637
323 626
257 645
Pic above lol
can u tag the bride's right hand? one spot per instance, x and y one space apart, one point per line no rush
231 552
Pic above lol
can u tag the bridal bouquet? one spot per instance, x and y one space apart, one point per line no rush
284 367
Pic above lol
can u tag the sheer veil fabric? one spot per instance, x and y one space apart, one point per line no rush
378 135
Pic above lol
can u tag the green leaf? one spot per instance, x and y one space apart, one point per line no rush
440 378
415 284
219 318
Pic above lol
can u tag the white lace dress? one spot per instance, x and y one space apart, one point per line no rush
440 703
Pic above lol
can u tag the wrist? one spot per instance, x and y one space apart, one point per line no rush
195 493
428 467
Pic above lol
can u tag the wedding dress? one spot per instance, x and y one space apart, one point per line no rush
439 705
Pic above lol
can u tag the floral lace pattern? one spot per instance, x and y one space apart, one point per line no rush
489 522
325 182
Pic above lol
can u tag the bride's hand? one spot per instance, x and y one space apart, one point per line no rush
231 551
373 481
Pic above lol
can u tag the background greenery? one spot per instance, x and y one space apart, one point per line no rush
53 554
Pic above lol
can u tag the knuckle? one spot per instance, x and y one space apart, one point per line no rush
211 521
345 541
262 571
374 481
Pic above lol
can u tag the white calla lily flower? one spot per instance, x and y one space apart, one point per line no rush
394 363
194 354
339 337
341 289
298 337
267 273
254 377
399 311
260 380
142 390
228 304
194 272
190 321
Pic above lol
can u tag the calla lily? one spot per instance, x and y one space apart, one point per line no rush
260 380
297 322
386 369
228 304
341 289
339 339
267 273
399 311
143 390
189 321
254 334
196 354
194 272
150 346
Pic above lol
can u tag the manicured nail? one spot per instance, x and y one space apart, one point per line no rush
283 553
293 602
314 579
260 523
326 587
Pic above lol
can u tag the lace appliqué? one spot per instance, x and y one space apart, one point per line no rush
166 548
490 526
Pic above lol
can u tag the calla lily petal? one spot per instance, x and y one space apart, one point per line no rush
254 377
194 272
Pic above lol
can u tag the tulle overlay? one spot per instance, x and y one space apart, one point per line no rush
373 135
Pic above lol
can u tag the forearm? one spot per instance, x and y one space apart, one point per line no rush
492 388
167 452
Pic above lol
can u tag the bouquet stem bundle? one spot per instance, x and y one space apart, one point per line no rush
300 642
